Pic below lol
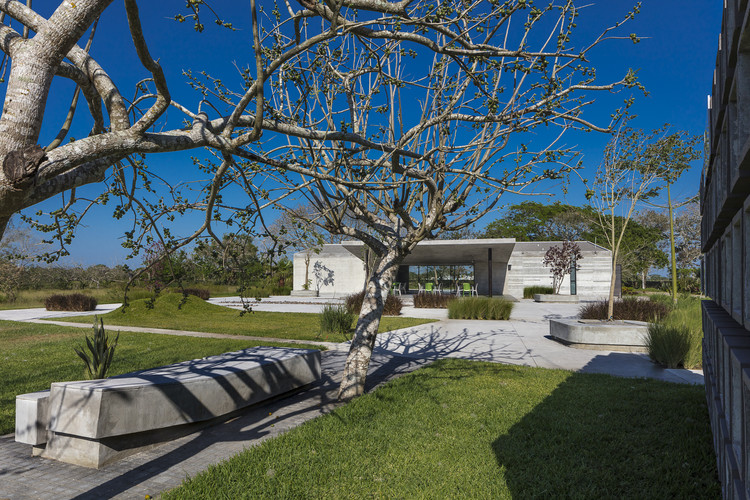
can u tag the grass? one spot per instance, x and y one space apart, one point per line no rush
336 319
461 429
433 300
480 308
32 356
677 340
530 291
198 315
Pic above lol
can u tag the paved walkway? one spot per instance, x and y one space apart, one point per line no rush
523 340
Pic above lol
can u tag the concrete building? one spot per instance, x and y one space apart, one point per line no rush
725 234
501 265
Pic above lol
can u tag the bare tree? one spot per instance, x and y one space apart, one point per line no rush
561 259
341 74
687 236
441 140
627 175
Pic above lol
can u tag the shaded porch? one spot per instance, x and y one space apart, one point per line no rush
482 263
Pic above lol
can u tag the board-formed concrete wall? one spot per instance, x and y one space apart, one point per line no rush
725 235
526 269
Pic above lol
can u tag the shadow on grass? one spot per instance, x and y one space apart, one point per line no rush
626 438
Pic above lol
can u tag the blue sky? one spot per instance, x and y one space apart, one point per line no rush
675 61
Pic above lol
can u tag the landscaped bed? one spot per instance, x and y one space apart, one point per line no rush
194 314
460 429
32 356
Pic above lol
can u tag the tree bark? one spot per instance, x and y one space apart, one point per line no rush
358 360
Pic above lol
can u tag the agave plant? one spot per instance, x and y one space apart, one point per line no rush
102 352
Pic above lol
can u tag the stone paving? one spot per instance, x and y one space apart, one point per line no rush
522 340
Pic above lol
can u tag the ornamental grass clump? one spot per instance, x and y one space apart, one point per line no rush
530 291
668 345
634 309
683 325
71 302
432 300
392 306
336 318
101 352
480 308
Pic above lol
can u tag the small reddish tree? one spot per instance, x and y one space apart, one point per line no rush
560 259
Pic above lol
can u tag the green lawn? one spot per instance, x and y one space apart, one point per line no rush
32 356
460 429
201 316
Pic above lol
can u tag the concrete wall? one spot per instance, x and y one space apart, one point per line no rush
347 271
526 269
725 235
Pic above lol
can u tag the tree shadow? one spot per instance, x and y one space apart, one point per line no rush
492 341
138 474
590 439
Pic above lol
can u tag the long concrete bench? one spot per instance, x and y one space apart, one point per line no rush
91 423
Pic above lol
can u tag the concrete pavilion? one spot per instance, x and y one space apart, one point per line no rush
501 265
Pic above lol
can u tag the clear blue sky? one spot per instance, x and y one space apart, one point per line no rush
675 60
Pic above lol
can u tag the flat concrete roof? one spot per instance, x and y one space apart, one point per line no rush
450 252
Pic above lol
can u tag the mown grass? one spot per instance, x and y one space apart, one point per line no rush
170 311
32 356
460 429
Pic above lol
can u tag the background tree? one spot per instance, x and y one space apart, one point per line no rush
673 154
534 221
687 236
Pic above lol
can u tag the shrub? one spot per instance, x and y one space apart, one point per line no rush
668 345
530 291
336 318
102 352
201 293
480 308
392 306
72 302
635 309
433 300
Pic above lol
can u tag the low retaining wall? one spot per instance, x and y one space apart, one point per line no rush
613 335
93 422
549 297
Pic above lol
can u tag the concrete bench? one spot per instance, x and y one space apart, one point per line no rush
91 423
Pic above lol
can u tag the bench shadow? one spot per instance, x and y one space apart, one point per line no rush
587 439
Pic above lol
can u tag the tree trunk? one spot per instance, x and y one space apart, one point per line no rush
613 278
358 360
644 274
671 246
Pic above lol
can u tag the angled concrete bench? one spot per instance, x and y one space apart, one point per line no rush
91 423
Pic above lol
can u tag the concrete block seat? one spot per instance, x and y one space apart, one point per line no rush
595 334
93 422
